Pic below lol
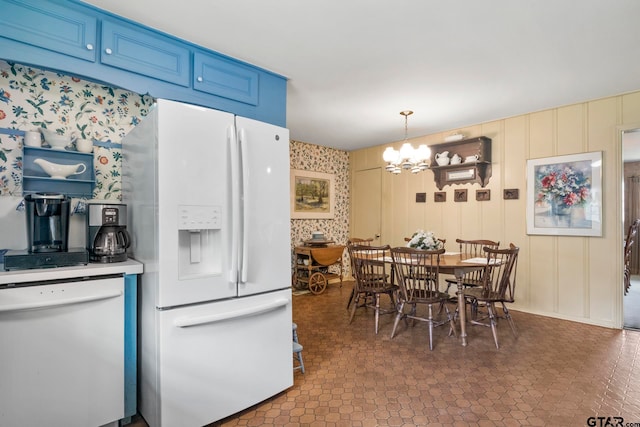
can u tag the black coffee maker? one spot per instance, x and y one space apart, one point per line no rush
107 236
47 220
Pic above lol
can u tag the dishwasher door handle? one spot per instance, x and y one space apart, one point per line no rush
50 304
183 322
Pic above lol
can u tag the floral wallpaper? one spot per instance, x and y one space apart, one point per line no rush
31 98
316 158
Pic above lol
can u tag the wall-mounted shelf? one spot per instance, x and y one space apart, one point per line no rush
35 180
478 171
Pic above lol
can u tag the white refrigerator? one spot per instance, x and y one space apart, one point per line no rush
209 217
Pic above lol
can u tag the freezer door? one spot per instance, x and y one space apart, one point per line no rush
265 236
219 358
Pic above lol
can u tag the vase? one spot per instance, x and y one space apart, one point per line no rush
558 207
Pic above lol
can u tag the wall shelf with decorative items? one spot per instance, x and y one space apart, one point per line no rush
58 171
470 162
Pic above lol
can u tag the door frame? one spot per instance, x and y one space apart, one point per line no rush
619 211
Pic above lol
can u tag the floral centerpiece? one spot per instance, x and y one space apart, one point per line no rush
562 187
424 240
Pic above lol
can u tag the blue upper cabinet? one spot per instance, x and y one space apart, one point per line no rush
144 52
66 36
50 26
220 76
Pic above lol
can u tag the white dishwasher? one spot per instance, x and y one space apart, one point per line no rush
62 352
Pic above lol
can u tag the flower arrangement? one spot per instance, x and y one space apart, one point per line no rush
563 185
424 240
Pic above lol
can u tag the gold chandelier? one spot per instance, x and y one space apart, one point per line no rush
408 158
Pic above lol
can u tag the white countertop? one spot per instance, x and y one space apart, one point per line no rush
129 266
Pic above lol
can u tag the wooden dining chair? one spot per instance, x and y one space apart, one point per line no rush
498 286
373 279
475 249
628 250
417 273
360 241
351 242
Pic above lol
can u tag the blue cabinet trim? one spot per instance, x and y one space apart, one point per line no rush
130 344
166 68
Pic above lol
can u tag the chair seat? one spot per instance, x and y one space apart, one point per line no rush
374 278
483 295
428 297
465 282
297 347
386 288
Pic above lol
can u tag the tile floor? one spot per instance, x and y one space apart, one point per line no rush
557 373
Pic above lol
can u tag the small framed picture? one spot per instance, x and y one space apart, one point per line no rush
483 195
421 197
440 196
460 195
511 194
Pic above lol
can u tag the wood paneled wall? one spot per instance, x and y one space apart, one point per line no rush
574 278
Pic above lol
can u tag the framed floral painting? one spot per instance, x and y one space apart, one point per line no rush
564 195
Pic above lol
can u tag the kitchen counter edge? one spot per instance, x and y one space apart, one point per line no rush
129 266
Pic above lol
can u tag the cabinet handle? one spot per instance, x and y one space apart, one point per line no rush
199 78
108 51
89 46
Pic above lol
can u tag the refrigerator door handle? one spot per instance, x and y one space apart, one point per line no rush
57 303
244 261
235 202
184 322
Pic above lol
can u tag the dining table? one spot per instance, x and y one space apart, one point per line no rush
457 264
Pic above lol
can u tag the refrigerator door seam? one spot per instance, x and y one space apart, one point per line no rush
183 322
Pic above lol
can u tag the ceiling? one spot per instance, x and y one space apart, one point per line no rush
353 65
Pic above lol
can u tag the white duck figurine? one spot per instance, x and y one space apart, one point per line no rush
58 171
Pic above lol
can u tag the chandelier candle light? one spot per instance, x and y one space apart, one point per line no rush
408 157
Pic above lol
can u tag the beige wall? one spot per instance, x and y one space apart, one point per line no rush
575 278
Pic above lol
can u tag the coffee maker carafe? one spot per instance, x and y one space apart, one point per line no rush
107 236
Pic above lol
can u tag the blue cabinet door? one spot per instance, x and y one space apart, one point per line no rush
144 52
50 26
230 79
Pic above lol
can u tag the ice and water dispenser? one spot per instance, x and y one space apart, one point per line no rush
199 241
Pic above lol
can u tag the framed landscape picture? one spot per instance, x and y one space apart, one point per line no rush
564 195
312 195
